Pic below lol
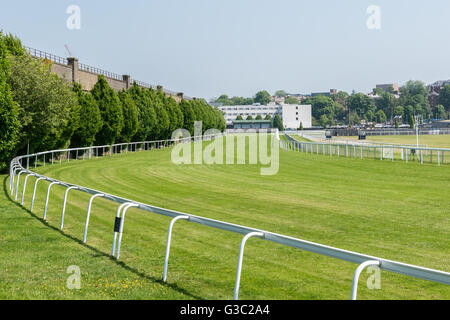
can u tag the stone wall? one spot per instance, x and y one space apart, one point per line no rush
72 73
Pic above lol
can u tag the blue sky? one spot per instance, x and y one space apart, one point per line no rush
208 47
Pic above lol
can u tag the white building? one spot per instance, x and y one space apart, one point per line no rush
291 114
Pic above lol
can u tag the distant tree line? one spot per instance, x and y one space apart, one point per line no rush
350 109
40 111
261 97
385 106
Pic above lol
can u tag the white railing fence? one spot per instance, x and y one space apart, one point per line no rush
17 169
392 152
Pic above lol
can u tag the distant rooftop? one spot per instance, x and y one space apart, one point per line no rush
252 121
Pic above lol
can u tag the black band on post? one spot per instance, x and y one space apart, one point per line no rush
117 224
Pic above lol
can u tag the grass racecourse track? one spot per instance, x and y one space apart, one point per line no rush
388 209
433 141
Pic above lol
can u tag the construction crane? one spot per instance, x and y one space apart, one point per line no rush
68 51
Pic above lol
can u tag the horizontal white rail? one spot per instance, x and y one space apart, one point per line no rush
356 150
16 169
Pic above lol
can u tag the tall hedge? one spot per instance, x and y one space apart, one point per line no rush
130 117
110 110
188 116
90 121
146 113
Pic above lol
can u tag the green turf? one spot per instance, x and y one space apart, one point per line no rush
300 138
393 210
432 141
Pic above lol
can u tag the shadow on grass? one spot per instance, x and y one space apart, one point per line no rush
98 252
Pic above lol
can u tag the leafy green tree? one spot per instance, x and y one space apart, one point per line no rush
249 118
280 93
339 111
220 122
146 113
370 116
178 114
341 98
268 117
278 123
9 121
90 121
248 101
188 116
258 117
49 111
13 45
415 94
439 112
408 114
322 105
301 126
444 97
239 118
354 118
130 117
380 116
386 103
110 110
399 111
262 97
411 122
324 121
291 100
224 100
162 118
361 103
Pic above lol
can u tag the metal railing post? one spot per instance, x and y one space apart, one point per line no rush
25 186
16 168
46 199
64 205
88 214
358 271
117 226
34 192
241 257
17 183
169 236
122 220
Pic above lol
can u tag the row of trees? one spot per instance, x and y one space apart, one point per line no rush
275 122
40 111
261 97
351 109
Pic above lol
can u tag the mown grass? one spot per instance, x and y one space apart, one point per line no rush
393 210
433 141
